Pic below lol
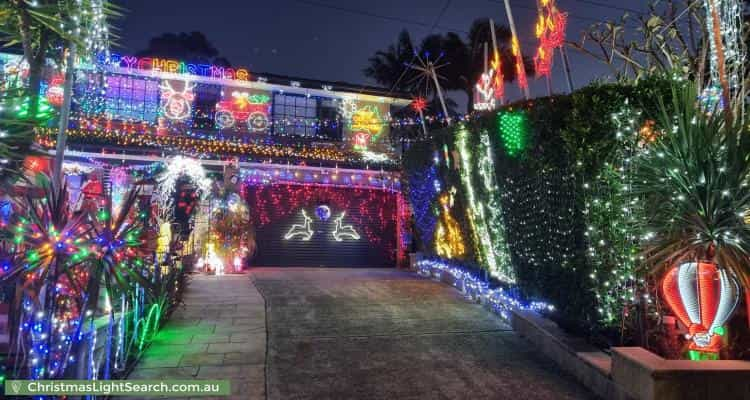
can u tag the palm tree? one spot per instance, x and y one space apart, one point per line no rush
464 60
390 67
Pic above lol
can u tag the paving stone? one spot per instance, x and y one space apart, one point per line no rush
252 321
252 345
231 329
159 361
247 337
165 373
386 334
169 349
254 373
244 358
212 305
201 359
212 338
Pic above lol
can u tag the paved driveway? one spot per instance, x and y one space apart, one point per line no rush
387 334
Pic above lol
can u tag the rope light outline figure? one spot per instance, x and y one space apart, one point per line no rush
341 231
305 230
177 104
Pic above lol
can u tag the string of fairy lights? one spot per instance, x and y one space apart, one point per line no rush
211 148
484 211
497 299
612 232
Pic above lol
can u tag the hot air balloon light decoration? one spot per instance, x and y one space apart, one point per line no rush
703 297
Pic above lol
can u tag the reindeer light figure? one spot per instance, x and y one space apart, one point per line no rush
176 104
304 231
344 231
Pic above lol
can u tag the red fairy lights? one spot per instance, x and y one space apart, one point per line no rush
550 30
419 104
491 86
520 69
374 212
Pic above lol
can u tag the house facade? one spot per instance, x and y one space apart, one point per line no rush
313 160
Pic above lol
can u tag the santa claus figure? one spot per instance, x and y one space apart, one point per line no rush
92 193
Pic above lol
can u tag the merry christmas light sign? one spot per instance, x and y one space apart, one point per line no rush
176 67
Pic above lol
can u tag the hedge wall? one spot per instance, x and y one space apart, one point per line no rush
544 151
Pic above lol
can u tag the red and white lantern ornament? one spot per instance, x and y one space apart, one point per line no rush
703 297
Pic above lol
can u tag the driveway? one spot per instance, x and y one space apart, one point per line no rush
388 334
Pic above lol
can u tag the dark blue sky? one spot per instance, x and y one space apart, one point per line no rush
301 39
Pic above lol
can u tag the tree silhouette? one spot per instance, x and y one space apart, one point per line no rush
193 46
389 67
464 59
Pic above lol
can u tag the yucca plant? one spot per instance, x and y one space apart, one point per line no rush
693 181
118 266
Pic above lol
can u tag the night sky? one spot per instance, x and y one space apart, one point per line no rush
304 38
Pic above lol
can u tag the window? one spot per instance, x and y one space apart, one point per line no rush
298 115
132 98
206 98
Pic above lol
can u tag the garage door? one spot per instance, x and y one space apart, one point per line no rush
323 226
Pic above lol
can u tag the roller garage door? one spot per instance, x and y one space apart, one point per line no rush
322 226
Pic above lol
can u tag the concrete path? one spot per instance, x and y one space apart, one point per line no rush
220 333
387 334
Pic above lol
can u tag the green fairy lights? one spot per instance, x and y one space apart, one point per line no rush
493 211
475 212
484 212
512 129
611 211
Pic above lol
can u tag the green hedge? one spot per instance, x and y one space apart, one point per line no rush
568 140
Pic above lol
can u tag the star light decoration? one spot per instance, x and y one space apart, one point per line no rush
51 244
550 30
428 76
419 104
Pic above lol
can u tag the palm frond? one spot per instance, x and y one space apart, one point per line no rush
693 182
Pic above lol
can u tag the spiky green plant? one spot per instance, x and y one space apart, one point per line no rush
693 182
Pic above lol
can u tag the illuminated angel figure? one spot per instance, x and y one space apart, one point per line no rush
304 231
344 231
